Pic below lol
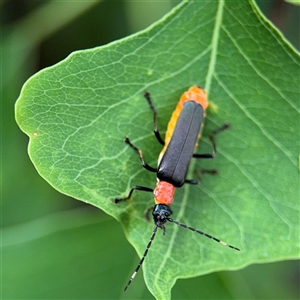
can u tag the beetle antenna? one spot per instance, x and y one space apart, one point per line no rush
143 258
202 233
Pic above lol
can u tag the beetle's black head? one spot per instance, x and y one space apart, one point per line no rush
161 214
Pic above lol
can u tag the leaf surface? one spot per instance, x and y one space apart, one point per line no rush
77 113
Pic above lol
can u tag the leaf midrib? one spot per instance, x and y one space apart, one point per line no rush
212 64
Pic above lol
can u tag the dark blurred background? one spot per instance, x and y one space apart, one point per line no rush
53 246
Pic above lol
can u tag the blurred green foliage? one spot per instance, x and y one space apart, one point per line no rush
48 239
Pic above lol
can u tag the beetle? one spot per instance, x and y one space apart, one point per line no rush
181 137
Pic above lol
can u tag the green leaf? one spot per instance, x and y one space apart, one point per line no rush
295 2
77 113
